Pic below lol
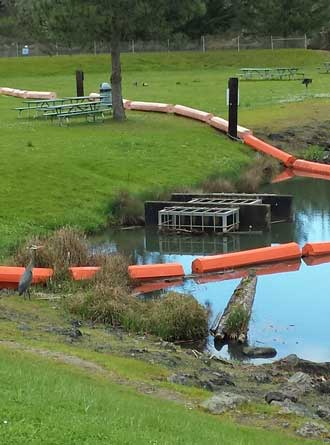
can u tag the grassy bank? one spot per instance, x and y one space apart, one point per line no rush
51 176
46 402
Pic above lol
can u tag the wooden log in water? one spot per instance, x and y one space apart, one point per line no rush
233 324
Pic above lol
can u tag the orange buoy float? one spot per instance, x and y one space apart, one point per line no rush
287 159
155 271
10 275
312 167
83 273
314 249
245 258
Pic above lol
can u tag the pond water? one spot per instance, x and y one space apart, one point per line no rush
291 311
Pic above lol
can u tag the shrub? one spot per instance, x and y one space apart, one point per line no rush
218 185
173 317
127 209
260 172
64 248
178 317
313 153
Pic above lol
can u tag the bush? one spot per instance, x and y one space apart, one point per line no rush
260 172
313 153
64 248
218 185
173 317
127 209
178 317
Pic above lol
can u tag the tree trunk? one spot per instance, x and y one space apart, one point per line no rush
117 99
233 325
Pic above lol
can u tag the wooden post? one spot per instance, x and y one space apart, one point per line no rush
305 41
232 107
238 44
203 44
272 43
80 83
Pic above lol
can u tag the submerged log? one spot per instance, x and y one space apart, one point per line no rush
233 324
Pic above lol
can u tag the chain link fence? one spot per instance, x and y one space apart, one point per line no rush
175 43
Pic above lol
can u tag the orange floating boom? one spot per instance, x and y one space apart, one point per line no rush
314 249
11 275
312 167
245 258
155 271
287 159
83 273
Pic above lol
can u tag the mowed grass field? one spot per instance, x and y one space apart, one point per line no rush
52 176
46 402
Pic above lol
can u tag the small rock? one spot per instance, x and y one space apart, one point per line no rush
279 396
223 402
300 378
75 333
216 380
323 412
324 387
259 352
181 379
260 378
312 429
168 345
288 407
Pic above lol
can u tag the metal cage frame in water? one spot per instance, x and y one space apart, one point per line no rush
199 219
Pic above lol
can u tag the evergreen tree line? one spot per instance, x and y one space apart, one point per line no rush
25 19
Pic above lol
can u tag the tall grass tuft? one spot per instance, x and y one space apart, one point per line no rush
173 317
178 317
127 209
63 248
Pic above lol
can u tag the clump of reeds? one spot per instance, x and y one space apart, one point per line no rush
127 209
62 249
178 317
171 317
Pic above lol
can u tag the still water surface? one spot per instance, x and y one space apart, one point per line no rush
291 311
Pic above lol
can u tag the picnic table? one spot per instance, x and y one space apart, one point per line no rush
37 105
45 105
275 73
87 108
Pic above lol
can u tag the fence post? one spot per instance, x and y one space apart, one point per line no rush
238 44
168 45
56 48
305 41
133 46
232 107
95 49
272 43
203 43
17 50
80 83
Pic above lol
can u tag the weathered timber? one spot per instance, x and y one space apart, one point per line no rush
252 217
233 324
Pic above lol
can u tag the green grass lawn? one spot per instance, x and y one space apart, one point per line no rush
51 175
46 402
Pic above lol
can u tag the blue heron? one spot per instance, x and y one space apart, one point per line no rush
26 279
